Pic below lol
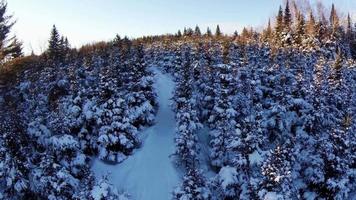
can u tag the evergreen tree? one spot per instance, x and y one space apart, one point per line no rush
197 31
218 31
15 49
192 187
349 31
117 40
300 29
333 19
55 45
185 31
9 47
267 34
236 34
179 34
188 32
208 32
287 19
310 27
335 22
279 26
245 34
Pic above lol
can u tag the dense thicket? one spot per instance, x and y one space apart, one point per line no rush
279 106
65 110
281 124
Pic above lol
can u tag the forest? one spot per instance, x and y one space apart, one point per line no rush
276 108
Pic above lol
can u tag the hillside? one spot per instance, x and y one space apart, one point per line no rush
256 115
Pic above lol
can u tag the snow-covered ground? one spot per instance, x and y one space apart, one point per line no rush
149 173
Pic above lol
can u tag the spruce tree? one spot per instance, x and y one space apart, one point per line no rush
197 31
236 34
267 35
55 45
287 19
311 24
179 34
335 22
300 29
334 19
208 32
349 31
189 32
117 40
9 47
218 31
279 26
185 32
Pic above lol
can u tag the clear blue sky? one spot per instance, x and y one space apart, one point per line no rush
84 21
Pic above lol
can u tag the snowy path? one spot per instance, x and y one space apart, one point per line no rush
149 173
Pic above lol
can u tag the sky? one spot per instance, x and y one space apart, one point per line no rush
88 21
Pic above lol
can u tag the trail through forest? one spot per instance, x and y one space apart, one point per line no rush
150 172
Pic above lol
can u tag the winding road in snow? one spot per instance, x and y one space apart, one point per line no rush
150 172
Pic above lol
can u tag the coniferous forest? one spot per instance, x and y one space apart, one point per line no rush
260 114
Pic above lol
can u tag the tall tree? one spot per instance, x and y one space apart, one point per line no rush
197 31
117 40
218 31
236 34
279 27
179 34
310 27
287 19
268 32
300 28
279 21
334 21
55 43
10 47
349 31
208 32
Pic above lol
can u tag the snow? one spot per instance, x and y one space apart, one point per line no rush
273 196
255 158
310 195
150 172
228 176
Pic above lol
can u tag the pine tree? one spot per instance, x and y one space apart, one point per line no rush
287 19
179 34
9 47
236 34
311 24
117 40
300 29
244 35
218 31
279 26
188 32
55 45
267 35
334 19
334 22
197 31
349 31
208 32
